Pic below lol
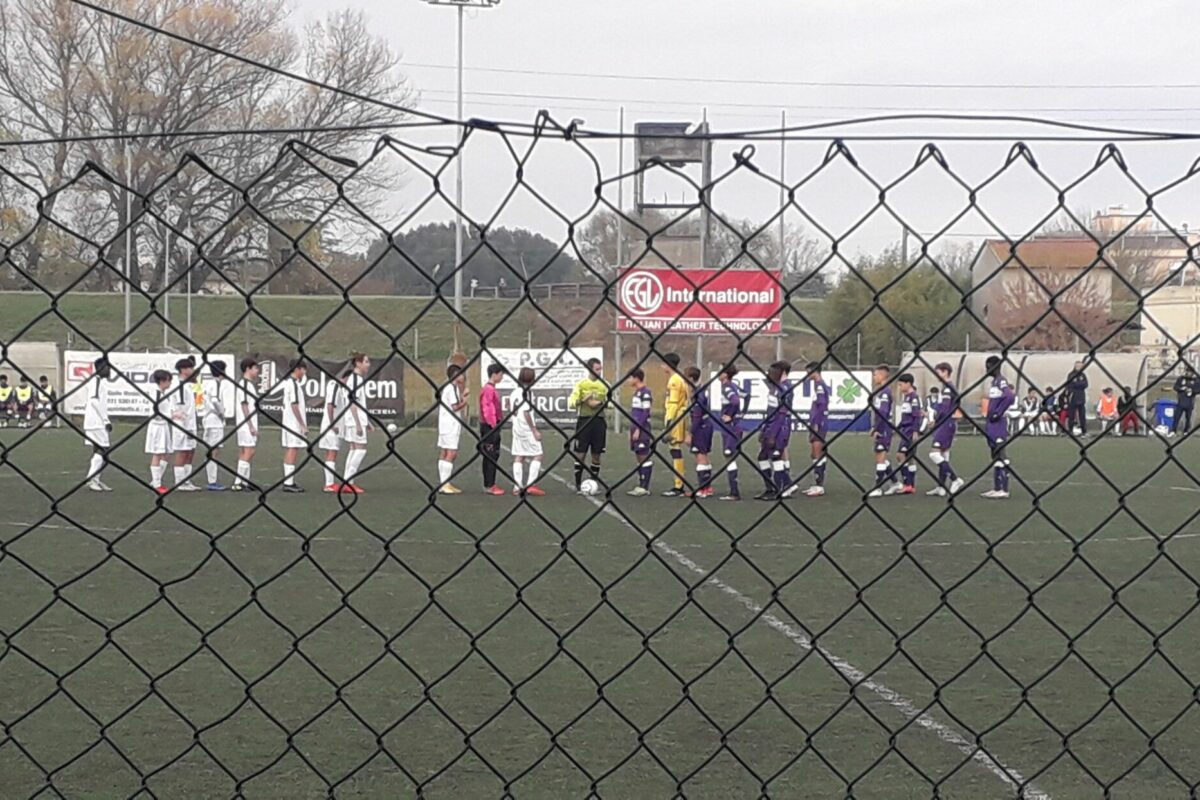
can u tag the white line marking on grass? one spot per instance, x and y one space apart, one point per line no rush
947 734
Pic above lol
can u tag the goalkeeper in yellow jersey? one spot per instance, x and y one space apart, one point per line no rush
676 420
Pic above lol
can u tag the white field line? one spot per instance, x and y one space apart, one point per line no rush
1010 777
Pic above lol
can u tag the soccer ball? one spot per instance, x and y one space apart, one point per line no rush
589 487
391 428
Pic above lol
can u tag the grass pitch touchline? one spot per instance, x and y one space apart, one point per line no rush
947 734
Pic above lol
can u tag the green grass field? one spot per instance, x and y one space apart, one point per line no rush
306 646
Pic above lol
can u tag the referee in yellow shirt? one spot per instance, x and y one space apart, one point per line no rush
589 399
676 420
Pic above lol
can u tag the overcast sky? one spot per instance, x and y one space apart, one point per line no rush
1038 52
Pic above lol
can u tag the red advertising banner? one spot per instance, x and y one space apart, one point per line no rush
660 299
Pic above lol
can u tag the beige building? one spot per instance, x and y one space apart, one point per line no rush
1172 318
1003 277
1146 253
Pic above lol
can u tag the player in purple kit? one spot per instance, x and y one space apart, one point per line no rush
641 440
1000 397
787 392
818 427
701 434
943 434
907 431
882 429
731 435
770 437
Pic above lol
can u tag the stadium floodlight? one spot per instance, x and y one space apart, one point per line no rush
458 171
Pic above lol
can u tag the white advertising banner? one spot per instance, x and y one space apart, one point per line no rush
130 386
557 373
849 392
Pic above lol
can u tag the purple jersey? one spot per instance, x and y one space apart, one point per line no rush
774 421
1000 398
701 413
881 424
639 411
818 415
910 416
785 414
731 401
731 406
944 410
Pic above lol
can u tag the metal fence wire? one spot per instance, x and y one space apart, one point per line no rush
404 642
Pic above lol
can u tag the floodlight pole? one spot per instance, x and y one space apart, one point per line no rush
458 180
128 229
461 6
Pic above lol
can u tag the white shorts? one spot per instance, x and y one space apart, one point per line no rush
330 440
526 446
95 437
244 436
448 437
350 433
214 436
158 440
293 441
183 441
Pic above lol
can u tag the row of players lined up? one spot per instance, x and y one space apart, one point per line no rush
693 421
186 418
173 432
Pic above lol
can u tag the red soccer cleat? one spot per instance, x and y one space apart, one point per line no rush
494 491
707 492
161 489
534 491
332 488
349 488
909 490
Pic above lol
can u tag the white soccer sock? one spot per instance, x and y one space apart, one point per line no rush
243 471
156 474
331 472
445 469
289 473
353 460
535 467
519 473
211 471
95 467
181 475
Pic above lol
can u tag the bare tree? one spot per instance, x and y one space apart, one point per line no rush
68 71
1053 312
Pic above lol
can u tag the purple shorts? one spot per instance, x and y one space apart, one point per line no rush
943 436
818 434
996 430
883 443
731 437
641 445
702 438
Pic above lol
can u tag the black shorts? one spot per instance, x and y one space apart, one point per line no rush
591 433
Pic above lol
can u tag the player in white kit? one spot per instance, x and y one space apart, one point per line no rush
245 416
332 412
452 404
188 396
214 426
96 427
294 425
158 430
356 420
526 438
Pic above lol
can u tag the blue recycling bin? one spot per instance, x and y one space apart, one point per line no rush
1164 413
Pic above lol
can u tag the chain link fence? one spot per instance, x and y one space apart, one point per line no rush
863 640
